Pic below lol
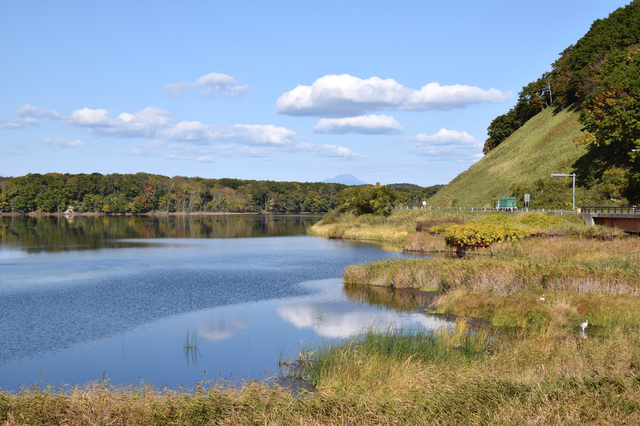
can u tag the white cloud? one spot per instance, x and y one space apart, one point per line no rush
63 143
348 96
211 84
30 116
246 134
212 149
256 134
365 124
436 97
192 140
144 123
447 145
187 131
90 117
444 137
30 111
210 153
331 151
11 125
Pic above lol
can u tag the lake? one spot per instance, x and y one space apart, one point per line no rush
174 300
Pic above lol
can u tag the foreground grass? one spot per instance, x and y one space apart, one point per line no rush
390 378
526 380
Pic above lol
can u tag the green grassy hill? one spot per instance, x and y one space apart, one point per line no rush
523 163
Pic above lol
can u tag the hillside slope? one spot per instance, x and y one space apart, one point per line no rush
524 163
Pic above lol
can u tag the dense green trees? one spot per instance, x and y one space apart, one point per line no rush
367 199
142 192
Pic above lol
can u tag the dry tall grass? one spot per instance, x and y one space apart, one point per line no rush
449 378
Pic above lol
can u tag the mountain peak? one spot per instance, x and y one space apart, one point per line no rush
345 180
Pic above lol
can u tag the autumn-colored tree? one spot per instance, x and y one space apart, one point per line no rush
4 204
612 113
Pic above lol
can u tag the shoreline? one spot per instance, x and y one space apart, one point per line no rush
82 214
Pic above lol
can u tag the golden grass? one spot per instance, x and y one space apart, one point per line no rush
392 229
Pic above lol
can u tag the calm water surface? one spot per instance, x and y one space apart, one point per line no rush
117 297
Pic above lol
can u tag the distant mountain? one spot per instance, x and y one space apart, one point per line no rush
345 180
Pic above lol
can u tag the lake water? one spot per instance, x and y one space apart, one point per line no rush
88 298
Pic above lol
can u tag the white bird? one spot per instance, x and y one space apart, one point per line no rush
585 323
542 299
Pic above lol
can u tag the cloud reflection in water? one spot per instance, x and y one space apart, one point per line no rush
330 316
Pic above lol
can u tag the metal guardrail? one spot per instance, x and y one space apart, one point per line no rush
606 209
484 209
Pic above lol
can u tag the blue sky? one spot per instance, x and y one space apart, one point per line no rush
303 91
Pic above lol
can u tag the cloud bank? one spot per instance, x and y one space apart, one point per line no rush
63 143
188 140
348 96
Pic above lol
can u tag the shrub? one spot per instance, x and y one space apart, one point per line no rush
483 234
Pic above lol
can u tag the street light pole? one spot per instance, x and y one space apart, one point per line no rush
574 184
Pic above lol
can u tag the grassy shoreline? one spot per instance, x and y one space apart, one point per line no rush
532 365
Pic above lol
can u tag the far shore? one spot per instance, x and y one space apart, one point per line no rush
76 214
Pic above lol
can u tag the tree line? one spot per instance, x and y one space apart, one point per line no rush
143 193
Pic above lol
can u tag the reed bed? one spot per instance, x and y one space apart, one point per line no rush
390 378
462 377
501 277
393 229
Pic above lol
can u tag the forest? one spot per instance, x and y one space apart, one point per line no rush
145 193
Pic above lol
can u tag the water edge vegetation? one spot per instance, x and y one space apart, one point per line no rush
530 363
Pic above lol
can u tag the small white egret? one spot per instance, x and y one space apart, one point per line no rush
585 323
542 299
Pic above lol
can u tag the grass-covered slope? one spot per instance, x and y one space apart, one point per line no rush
544 145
